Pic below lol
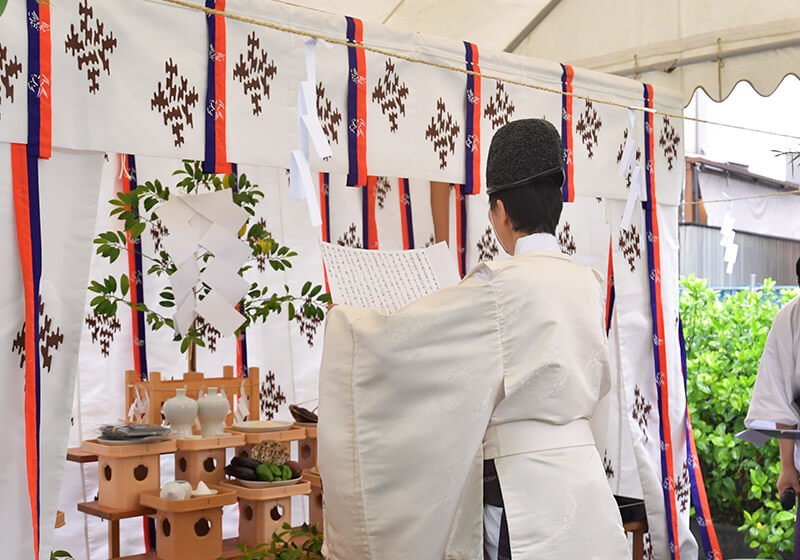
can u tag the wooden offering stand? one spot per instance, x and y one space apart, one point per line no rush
262 511
161 390
284 437
307 448
204 458
189 528
125 471
314 499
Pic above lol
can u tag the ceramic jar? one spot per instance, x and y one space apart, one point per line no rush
180 411
212 410
177 490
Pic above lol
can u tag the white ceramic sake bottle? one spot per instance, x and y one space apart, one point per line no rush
212 410
180 411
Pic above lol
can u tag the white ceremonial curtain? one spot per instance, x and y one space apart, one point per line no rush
138 84
67 194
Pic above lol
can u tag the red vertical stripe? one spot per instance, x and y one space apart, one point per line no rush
132 275
324 210
46 82
371 219
609 286
461 231
362 101
22 212
403 193
220 128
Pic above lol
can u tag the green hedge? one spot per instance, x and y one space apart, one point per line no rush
725 338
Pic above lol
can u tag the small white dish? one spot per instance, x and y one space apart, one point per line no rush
260 426
203 490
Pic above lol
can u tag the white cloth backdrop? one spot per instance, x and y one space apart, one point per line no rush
113 112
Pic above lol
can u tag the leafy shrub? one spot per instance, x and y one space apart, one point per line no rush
724 341
299 543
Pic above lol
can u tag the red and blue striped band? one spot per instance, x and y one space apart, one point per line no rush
216 156
659 339
473 133
40 125
568 188
356 105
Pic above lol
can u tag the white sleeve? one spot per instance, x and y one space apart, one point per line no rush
776 385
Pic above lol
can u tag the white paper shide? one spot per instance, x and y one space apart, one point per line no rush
206 222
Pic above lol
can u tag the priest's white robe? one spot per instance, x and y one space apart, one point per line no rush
405 401
778 379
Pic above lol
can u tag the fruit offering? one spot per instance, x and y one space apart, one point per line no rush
246 468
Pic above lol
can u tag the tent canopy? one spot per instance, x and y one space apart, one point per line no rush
676 44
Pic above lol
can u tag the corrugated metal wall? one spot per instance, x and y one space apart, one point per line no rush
766 257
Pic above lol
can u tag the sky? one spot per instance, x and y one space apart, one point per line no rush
780 112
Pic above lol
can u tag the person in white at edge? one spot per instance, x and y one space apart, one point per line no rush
777 385
498 375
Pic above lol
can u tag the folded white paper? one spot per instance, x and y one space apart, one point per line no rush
185 314
635 196
224 280
218 207
184 279
220 314
226 246
180 244
301 186
174 213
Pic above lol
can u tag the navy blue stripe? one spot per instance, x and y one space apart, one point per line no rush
326 206
470 179
34 59
699 514
243 334
365 216
137 243
36 260
352 106
463 249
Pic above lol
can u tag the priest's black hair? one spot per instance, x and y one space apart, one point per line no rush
797 269
534 207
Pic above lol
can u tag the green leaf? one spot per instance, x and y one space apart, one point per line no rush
124 284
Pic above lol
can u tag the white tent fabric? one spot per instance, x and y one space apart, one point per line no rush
160 57
674 43
749 214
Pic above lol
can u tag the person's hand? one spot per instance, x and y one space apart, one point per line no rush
788 479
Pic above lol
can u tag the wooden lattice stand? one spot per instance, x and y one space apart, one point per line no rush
314 499
204 459
189 528
125 472
130 477
307 449
262 511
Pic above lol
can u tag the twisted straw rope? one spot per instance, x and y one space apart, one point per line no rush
337 41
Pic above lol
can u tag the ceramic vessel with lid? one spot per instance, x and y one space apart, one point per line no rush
212 410
180 411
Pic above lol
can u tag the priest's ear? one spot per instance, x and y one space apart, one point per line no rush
502 224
